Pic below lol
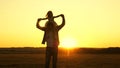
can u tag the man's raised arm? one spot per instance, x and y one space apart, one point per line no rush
38 26
63 21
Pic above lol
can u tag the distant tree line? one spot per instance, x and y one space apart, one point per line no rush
30 50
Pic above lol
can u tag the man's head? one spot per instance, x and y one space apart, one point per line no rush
49 15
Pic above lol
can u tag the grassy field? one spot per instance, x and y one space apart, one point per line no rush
65 60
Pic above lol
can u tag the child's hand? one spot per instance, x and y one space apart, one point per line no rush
39 19
62 15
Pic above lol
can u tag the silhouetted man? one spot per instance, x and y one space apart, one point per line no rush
51 37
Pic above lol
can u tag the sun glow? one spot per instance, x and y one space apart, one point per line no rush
68 43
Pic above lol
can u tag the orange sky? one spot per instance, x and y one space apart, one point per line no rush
90 23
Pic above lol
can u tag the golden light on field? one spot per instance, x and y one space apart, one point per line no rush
68 43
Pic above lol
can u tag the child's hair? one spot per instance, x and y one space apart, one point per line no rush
49 14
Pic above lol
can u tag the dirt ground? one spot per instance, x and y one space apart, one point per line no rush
64 61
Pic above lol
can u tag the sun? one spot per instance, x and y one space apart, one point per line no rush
68 43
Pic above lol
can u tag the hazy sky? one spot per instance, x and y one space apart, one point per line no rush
91 23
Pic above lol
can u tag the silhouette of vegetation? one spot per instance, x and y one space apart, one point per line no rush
30 50
110 50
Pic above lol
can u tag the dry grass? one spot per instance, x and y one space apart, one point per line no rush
64 61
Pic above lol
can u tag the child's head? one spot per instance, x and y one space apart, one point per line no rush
49 15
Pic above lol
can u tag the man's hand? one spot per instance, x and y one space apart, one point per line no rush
62 15
39 19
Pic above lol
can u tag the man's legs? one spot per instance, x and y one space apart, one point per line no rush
54 58
48 57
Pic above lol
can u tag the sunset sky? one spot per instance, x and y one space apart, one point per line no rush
89 23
